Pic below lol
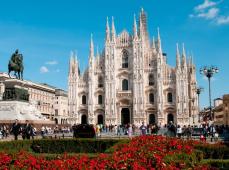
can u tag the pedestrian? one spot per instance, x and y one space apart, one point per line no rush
179 131
130 131
16 129
143 129
42 131
27 130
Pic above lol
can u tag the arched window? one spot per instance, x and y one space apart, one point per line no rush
100 81
100 99
151 80
124 59
124 84
151 98
170 97
84 99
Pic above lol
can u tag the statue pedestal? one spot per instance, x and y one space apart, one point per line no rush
11 110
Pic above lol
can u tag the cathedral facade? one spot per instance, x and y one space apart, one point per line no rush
131 82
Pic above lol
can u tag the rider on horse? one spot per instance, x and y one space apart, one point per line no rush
16 64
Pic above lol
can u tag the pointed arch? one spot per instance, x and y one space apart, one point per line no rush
125 58
151 80
100 81
125 84
169 97
151 98
84 99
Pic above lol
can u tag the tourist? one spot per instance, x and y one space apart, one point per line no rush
130 131
171 129
42 131
189 132
212 132
97 130
154 129
27 130
179 131
16 129
143 129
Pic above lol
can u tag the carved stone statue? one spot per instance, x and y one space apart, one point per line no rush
16 65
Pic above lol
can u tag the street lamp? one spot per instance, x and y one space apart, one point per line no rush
209 72
198 91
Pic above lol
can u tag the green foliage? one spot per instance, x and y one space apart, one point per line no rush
15 146
189 160
58 146
216 151
72 145
217 163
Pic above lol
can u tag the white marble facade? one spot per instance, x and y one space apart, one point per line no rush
131 82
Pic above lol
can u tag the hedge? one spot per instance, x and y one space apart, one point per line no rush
59 146
73 145
15 146
190 160
217 163
214 151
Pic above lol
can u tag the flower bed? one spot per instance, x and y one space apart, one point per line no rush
145 152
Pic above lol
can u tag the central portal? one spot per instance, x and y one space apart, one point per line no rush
125 116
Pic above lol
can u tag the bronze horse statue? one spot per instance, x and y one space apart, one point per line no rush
16 65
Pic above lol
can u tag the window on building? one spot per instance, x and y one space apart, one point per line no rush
84 99
100 99
124 84
56 112
151 98
151 80
170 97
124 59
100 81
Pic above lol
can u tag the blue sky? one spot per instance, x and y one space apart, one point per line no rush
45 32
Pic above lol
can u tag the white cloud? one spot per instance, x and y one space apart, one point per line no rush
44 69
206 4
53 62
210 14
222 20
208 11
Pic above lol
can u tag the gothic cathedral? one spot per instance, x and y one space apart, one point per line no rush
131 82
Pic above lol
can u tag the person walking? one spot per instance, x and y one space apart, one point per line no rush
179 131
143 129
130 131
27 130
16 129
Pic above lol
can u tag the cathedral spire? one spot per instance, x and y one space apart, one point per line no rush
140 27
113 32
91 47
135 28
107 31
183 56
177 57
153 43
159 40
97 51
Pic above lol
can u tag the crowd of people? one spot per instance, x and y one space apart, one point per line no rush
28 131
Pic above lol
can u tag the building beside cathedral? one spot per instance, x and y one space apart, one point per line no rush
131 82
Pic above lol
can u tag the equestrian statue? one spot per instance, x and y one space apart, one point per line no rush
16 65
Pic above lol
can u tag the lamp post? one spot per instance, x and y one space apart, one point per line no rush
198 91
209 72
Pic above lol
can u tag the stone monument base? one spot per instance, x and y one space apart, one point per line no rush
11 110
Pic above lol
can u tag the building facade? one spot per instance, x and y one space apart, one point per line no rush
131 82
50 101
221 111
61 107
